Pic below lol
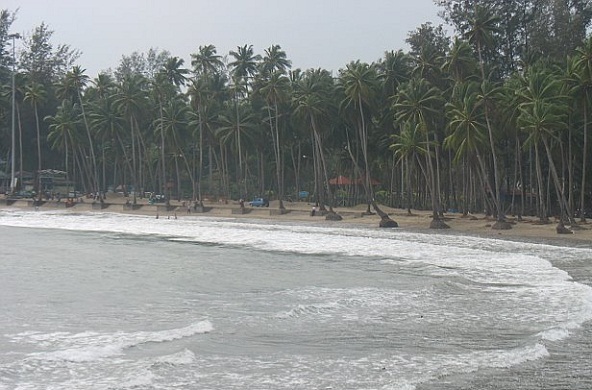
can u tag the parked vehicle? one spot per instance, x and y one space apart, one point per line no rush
259 202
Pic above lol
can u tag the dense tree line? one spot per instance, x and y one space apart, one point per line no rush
494 118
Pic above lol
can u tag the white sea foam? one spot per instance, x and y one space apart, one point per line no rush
75 348
180 358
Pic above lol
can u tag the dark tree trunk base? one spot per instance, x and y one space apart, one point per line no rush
333 217
387 223
502 225
438 224
385 220
561 229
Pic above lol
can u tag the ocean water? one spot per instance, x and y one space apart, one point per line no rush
109 301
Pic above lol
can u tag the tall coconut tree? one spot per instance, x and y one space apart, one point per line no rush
130 99
232 134
408 146
206 61
542 115
312 101
361 86
275 60
482 26
35 94
276 91
242 69
62 131
467 137
583 65
75 81
417 102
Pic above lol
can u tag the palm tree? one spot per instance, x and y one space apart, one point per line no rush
482 27
230 133
171 126
416 104
206 61
408 147
542 114
276 90
108 123
130 99
394 69
467 128
312 101
242 68
75 80
460 62
62 131
584 75
35 94
361 87
275 60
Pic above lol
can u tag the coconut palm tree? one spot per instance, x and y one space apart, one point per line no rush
232 134
312 100
63 131
75 81
35 94
242 69
171 125
275 60
130 99
276 90
408 146
583 71
417 102
206 61
483 25
542 113
361 87
467 127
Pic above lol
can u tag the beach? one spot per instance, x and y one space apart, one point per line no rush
529 228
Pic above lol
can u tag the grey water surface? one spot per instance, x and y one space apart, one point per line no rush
108 301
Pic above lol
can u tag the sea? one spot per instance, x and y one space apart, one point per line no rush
109 301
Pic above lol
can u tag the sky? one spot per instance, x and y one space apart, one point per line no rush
324 34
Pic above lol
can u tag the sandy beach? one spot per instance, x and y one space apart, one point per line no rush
529 228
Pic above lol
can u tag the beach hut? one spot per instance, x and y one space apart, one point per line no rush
341 181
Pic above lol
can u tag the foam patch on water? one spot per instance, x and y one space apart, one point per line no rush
74 348
184 357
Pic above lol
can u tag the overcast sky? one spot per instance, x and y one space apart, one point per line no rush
314 33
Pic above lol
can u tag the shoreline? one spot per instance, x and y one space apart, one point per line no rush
529 229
